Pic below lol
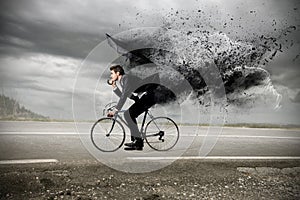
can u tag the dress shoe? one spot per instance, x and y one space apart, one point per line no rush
130 144
139 148
138 142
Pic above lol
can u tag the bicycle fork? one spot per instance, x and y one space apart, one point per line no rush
112 127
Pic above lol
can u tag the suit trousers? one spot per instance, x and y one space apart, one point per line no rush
140 106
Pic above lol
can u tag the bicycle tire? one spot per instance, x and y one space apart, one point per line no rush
161 133
104 137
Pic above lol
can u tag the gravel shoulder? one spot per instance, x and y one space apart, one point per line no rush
184 179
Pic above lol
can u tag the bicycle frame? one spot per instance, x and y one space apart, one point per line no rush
124 122
147 112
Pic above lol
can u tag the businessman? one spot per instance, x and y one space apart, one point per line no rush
130 84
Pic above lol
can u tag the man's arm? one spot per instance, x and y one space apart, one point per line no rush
125 93
117 91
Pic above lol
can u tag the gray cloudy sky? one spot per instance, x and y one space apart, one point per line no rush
42 44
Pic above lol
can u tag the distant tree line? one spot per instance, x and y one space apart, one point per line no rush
10 109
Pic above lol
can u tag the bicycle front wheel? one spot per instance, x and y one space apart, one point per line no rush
161 133
107 134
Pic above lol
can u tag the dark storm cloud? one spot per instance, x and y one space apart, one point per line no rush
44 38
60 28
297 98
28 84
285 70
290 78
53 31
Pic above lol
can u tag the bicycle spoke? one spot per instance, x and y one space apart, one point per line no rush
161 125
100 137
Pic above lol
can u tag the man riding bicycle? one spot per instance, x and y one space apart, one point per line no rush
130 84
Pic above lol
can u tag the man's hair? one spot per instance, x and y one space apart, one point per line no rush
117 68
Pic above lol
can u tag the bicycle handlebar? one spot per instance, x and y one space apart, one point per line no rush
109 107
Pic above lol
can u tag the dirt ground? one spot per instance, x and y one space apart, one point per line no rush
184 179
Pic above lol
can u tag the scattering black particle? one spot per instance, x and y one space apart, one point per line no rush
260 49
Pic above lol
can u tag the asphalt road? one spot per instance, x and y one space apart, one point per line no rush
243 164
61 141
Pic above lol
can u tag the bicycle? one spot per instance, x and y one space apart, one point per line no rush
108 133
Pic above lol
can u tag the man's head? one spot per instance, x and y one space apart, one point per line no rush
116 71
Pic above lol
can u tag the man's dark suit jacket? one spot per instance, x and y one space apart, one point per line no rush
132 84
129 84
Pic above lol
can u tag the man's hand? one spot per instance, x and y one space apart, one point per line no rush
111 113
112 83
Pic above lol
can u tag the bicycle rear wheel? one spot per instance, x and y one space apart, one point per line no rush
107 134
161 133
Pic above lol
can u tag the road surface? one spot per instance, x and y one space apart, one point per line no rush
243 164
62 142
